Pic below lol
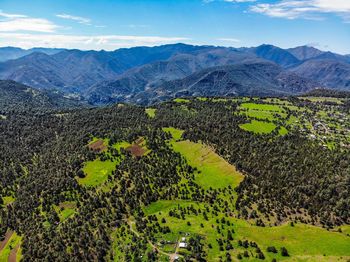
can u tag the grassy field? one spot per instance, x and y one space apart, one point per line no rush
10 245
282 131
215 172
259 114
303 242
323 99
65 210
262 107
97 172
181 100
151 112
176 133
122 144
259 127
8 200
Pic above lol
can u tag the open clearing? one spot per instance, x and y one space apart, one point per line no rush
138 148
13 254
3 243
98 144
303 242
8 200
97 172
262 107
65 210
259 127
181 100
176 133
12 240
322 99
214 172
151 112
120 145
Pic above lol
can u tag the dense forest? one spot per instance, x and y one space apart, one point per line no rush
45 157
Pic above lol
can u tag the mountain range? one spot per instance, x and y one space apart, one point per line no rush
21 98
149 74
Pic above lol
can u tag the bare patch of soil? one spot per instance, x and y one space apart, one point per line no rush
136 150
4 242
13 254
98 145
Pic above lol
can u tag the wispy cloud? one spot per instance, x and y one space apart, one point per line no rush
108 42
137 26
309 9
18 22
239 1
79 19
229 1
7 15
233 40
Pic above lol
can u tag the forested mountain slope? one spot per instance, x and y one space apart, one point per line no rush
197 179
250 78
103 77
21 98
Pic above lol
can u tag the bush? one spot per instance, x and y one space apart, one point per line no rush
272 249
284 252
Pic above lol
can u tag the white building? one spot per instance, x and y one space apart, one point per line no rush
182 245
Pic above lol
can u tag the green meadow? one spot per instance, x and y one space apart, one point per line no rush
151 112
259 127
8 200
181 100
176 133
65 210
303 242
121 144
262 107
214 172
10 245
97 172
323 99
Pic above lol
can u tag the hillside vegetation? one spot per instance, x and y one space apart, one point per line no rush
193 179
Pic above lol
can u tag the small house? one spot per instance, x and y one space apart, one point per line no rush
182 245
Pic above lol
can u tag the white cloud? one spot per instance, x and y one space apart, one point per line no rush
309 9
239 1
7 15
107 42
233 40
230 1
79 19
137 26
17 22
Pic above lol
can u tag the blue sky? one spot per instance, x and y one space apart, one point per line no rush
112 24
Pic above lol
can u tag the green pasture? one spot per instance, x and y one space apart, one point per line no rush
176 133
97 172
214 172
10 245
259 127
151 112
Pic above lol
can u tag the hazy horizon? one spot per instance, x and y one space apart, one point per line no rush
110 25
